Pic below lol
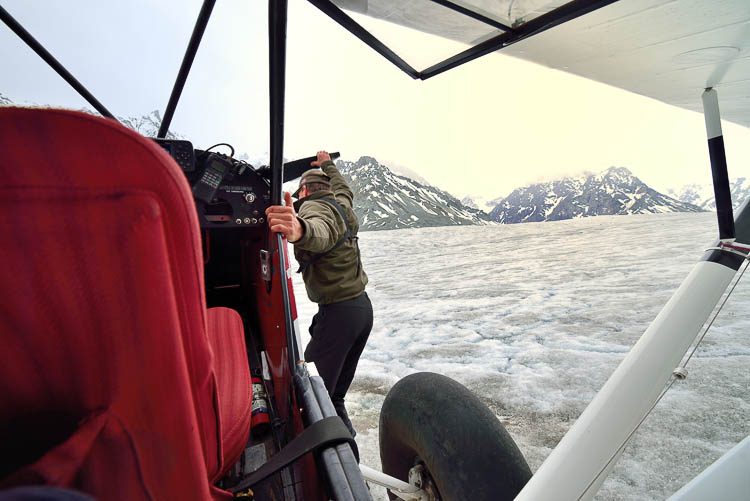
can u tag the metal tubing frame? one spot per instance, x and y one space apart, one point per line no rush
349 463
358 31
562 14
474 15
577 467
398 487
341 490
717 154
277 22
187 63
37 47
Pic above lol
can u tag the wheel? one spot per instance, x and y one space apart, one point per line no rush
436 430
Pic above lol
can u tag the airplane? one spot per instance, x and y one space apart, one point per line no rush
201 266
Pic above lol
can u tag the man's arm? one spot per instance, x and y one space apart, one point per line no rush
320 227
316 230
340 189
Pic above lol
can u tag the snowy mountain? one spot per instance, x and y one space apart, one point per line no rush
481 203
702 195
147 125
404 171
613 191
385 201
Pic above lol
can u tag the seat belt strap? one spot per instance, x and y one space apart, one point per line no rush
321 434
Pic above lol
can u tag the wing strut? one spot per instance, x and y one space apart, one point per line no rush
722 193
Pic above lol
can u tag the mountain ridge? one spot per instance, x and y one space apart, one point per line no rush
613 191
386 200
702 195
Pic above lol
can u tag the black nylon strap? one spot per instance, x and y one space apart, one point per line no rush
319 435
348 235
341 211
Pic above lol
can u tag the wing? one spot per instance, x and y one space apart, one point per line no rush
669 50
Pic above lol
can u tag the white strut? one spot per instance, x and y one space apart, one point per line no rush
398 487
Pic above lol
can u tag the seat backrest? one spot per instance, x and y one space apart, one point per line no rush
106 380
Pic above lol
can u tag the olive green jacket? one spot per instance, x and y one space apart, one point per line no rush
337 276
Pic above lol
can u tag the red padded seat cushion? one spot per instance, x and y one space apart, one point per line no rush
108 375
226 335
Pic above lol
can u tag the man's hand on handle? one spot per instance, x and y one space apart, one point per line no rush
283 218
322 157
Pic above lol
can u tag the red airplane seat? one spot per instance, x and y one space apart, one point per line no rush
233 378
115 379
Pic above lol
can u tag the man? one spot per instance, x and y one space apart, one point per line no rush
323 228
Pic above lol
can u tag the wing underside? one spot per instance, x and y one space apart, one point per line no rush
669 50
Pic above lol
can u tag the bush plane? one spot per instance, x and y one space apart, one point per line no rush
149 334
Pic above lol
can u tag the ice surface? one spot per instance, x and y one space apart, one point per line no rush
534 317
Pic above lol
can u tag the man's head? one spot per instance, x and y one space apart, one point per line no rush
311 181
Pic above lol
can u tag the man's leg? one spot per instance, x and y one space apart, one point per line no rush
327 349
339 333
362 310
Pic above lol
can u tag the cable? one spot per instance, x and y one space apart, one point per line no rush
717 312
669 385
222 144
627 439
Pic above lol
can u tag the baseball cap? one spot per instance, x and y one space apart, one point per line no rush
313 176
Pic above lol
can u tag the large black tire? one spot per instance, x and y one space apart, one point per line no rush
432 419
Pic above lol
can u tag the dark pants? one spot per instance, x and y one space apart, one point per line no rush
339 333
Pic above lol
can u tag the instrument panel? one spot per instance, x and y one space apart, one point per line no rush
228 193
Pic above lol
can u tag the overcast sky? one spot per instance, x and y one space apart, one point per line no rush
482 129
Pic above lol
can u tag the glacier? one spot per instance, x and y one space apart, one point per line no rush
533 318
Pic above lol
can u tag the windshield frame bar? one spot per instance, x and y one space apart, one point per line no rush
472 14
187 63
556 17
56 65
277 28
368 38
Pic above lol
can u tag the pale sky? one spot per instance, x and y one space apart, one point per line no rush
492 125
